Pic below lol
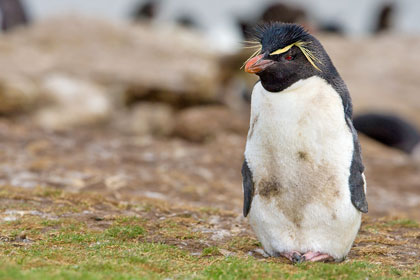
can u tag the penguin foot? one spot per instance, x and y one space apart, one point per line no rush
317 257
294 256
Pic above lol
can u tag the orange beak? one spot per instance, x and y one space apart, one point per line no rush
257 64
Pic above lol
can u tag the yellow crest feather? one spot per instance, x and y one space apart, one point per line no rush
306 52
283 50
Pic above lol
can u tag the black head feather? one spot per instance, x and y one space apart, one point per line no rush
282 74
276 35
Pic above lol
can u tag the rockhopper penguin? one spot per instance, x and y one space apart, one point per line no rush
303 182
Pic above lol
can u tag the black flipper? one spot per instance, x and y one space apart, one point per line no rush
248 187
356 181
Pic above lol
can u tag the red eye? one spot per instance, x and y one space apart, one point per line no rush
289 57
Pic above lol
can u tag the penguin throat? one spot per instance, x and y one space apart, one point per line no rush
274 84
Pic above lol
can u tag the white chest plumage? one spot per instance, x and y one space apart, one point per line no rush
299 150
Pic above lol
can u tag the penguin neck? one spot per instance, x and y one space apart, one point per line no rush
297 86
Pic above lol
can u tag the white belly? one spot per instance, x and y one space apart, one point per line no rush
299 150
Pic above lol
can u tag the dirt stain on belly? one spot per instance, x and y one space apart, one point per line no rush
293 192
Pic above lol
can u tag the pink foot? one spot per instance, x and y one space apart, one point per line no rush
317 257
294 256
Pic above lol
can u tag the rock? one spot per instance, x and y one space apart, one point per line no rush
116 182
151 62
17 95
148 118
73 102
203 122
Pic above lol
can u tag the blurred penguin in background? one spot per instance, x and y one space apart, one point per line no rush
279 12
146 11
12 14
385 18
389 130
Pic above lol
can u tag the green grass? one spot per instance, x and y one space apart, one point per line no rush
125 232
235 268
118 246
406 223
211 251
140 263
74 252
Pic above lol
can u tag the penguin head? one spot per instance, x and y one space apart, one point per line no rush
287 54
